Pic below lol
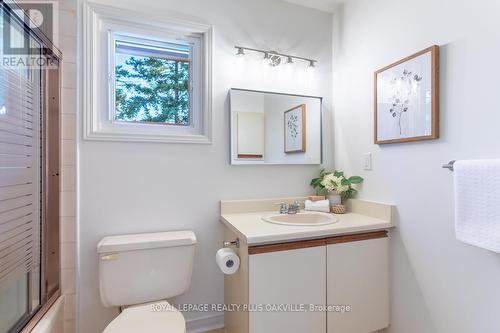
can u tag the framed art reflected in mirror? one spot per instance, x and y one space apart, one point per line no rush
295 130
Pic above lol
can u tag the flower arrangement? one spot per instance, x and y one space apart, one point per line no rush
336 181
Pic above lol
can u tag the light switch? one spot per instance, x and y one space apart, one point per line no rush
367 161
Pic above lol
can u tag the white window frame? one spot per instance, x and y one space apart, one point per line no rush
195 83
102 26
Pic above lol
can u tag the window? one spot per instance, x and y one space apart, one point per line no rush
152 82
145 81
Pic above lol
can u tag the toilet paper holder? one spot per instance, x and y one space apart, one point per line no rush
233 243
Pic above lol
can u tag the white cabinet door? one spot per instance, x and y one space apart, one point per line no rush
289 278
358 276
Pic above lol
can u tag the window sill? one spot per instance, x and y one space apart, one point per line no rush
129 137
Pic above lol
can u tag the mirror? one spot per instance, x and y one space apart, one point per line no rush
274 128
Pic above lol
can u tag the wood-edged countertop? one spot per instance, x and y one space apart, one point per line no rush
244 218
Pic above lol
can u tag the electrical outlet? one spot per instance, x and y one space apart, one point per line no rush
367 161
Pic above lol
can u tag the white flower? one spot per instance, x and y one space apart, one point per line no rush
333 183
328 183
342 188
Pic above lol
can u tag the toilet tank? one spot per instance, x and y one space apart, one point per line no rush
142 268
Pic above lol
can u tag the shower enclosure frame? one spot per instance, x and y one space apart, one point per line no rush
44 289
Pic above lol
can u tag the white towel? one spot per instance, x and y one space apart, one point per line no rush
317 206
477 203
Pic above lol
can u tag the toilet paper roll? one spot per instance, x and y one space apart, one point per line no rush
227 260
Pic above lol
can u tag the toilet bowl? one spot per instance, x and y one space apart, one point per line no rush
157 317
139 272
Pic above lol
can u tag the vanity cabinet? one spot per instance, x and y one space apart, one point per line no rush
358 276
287 279
347 270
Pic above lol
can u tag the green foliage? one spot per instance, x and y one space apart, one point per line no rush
338 173
316 183
153 90
336 181
355 180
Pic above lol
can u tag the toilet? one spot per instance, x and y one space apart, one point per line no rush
139 273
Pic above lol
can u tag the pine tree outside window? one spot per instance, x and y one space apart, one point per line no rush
152 82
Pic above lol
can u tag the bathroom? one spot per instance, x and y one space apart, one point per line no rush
125 180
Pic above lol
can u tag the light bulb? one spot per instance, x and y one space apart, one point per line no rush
266 58
311 66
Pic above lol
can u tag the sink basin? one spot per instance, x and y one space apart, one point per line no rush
301 219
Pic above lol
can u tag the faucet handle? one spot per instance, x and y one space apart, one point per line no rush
283 207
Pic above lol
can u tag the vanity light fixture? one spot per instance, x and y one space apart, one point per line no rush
273 58
241 52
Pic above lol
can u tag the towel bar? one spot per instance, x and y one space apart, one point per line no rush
449 166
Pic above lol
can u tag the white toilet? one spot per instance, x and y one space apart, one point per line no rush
139 272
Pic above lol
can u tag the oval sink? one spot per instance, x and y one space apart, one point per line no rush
301 219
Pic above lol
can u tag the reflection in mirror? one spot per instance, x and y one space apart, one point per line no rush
273 128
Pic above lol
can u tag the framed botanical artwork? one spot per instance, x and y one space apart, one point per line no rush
407 99
295 129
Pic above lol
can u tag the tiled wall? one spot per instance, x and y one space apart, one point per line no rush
66 41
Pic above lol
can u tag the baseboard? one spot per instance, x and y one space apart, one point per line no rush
205 324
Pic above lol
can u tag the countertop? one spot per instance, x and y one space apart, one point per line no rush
251 229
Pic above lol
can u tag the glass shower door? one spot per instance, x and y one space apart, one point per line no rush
21 178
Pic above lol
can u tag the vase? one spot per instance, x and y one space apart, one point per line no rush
334 198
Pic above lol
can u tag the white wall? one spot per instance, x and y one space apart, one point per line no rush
144 187
438 284
244 101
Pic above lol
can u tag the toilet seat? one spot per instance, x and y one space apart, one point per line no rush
156 317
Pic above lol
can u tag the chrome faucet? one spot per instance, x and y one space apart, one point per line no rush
292 208
283 208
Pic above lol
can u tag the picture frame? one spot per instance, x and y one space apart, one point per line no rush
406 99
295 130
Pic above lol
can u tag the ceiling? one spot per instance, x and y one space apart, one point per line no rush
324 5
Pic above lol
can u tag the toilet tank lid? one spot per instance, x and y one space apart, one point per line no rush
146 241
